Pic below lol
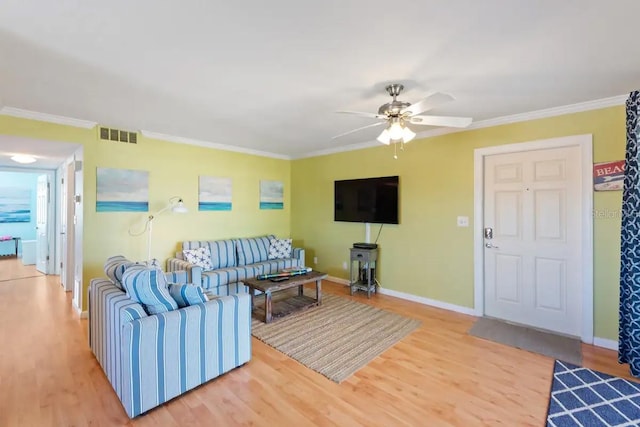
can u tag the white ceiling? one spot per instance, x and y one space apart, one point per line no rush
48 155
268 75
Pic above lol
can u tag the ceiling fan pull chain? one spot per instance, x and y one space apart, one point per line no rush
395 150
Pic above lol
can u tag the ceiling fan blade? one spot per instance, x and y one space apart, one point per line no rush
360 113
356 130
453 122
431 101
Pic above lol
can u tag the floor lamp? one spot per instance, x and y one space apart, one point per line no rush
176 205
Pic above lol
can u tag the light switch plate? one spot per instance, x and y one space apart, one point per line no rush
463 221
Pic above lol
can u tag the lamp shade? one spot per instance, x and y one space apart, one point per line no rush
384 137
395 130
407 135
180 207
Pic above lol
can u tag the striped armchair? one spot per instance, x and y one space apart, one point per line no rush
150 359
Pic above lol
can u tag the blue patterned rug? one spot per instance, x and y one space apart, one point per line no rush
581 397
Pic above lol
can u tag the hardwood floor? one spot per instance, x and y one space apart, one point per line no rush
437 376
13 268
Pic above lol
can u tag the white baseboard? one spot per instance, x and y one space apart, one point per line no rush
605 343
414 298
338 280
427 301
82 314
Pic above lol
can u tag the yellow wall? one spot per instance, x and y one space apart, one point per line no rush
427 254
173 171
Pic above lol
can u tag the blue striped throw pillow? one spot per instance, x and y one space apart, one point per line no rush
187 294
148 286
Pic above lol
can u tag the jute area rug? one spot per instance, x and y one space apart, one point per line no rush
337 338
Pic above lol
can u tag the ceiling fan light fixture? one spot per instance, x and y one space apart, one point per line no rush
396 130
384 137
407 134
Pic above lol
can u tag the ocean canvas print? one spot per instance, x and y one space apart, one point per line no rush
15 204
214 194
271 194
122 190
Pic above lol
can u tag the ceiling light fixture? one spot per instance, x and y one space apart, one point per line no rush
23 158
397 114
396 132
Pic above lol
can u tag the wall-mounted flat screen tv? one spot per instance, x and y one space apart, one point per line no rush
373 200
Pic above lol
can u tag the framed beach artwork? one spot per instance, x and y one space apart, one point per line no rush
122 190
214 193
15 205
271 194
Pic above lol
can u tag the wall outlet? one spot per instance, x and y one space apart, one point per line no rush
315 260
344 265
463 221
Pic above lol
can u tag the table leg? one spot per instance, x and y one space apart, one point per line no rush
319 291
252 292
300 290
267 307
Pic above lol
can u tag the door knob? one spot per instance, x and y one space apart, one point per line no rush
490 245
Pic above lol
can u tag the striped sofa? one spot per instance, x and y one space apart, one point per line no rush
150 359
233 260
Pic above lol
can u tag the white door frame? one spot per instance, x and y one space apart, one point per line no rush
585 143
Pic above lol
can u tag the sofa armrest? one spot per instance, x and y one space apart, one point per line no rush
298 253
165 355
180 277
108 305
194 272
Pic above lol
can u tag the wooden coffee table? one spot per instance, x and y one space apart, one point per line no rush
276 309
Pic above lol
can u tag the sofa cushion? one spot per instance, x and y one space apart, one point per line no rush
275 265
224 276
222 252
279 248
148 286
199 256
187 294
114 268
230 289
254 249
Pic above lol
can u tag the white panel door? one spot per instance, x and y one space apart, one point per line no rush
42 235
533 274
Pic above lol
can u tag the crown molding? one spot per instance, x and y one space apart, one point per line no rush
44 117
597 104
345 148
207 144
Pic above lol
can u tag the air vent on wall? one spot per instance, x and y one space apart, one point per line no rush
109 134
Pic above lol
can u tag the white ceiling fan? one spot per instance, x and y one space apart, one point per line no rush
397 114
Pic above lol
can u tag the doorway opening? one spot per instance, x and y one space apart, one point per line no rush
50 193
